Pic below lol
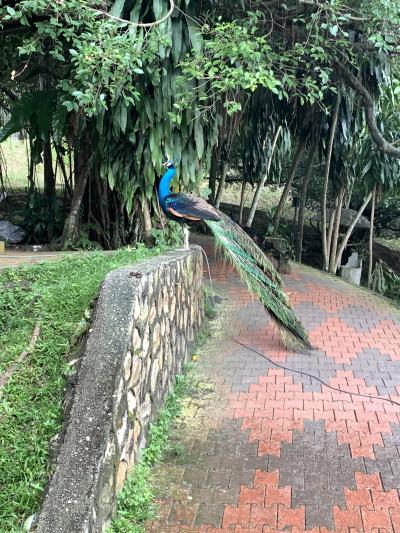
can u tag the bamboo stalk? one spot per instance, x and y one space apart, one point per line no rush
371 239
288 184
325 250
335 235
303 198
261 183
242 198
350 230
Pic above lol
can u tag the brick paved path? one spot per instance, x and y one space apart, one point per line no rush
14 258
17 258
259 449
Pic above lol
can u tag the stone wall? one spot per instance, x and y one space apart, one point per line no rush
146 317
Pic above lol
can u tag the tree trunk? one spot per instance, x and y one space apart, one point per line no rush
349 231
371 239
285 193
325 251
221 184
147 225
49 178
242 198
117 218
31 167
262 181
302 206
60 161
349 195
335 234
82 171
213 175
332 216
49 186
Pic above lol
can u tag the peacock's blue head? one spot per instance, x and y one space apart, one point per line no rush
169 164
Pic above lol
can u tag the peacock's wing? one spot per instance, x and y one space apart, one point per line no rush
259 283
192 207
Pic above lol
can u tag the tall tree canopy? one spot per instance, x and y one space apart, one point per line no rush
124 94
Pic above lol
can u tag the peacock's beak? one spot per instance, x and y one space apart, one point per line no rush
167 162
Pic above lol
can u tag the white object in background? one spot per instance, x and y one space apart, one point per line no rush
351 272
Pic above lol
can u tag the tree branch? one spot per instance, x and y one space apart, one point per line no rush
369 106
368 47
6 376
349 231
13 27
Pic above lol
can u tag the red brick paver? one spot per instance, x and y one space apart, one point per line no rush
265 449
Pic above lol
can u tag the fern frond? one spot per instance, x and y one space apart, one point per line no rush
261 279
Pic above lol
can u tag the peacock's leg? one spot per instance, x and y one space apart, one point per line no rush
186 237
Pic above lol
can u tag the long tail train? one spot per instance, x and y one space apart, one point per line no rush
261 279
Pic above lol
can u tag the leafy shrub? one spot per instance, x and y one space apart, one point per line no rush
171 235
39 219
385 281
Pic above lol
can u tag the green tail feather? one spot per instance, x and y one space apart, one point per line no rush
261 279
248 245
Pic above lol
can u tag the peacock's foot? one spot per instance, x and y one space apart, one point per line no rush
186 238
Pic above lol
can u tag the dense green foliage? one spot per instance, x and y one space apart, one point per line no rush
143 93
125 78
60 294
210 86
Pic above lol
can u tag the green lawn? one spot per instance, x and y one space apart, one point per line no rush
393 244
15 156
60 293
269 196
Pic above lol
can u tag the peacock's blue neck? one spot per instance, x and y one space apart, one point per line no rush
164 188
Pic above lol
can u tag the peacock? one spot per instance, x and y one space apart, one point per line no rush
255 269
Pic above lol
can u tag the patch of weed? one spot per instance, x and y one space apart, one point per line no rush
209 307
136 499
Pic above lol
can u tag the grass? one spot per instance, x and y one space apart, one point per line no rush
393 244
60 293
15 155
